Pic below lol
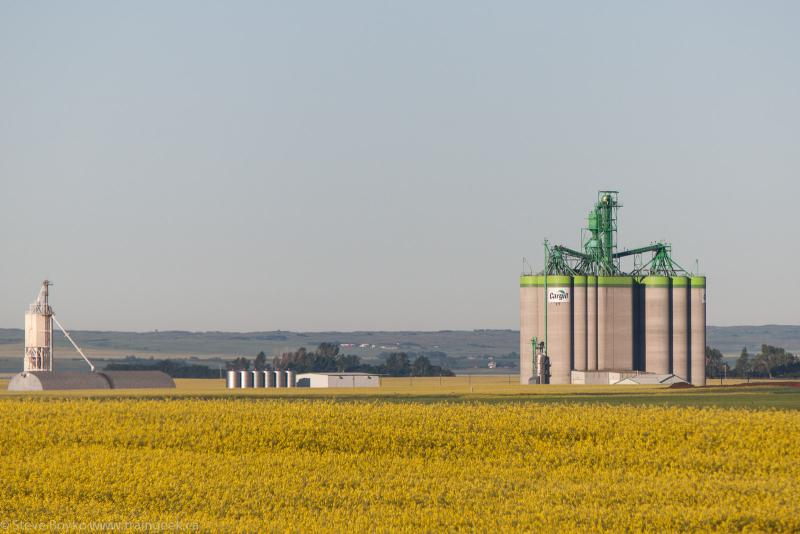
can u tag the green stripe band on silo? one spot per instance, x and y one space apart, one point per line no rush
655 281
591 280
680 281
579 281
557 280
698 281
553 280
527 280
615 281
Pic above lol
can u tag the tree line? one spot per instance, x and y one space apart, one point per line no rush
174 368
770 362
327 358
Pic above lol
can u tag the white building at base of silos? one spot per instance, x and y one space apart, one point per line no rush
652 379
338 380
622 378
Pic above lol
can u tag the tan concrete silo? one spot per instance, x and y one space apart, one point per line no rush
559 327
591 322
697 358
604 309
656 323
529 289
622 340
680 326
39 333
615 323
579 323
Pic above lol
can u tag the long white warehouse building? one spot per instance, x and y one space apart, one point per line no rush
338 380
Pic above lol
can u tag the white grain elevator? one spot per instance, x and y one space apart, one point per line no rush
39 333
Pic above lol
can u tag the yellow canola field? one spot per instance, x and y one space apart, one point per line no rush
259 465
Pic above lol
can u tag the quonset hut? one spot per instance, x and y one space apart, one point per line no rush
585 320
49 380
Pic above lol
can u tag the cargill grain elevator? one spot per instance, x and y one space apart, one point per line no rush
584 320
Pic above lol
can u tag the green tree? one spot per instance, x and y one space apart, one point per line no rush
743 364
239 364
300 360
715 364
397 364
421 367
771 358
328 350
260 363
346 363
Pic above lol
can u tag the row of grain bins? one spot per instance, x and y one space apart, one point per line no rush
654 324
261 379
289 379
592 318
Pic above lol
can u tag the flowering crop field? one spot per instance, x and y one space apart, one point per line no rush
259 464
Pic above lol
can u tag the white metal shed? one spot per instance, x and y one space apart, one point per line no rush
338 380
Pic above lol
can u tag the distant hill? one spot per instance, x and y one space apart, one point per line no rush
731 339
457 343
470 345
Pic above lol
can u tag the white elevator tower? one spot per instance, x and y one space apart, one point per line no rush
39 333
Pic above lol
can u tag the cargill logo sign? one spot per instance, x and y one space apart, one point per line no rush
557 295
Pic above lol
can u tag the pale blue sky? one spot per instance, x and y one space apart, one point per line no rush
385 165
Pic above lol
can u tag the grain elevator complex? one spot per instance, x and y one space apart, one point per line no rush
583 320
37 363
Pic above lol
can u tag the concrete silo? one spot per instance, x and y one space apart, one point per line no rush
698 330
579 322
615 322
657 336
604 310
591 322
680 326
558 338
